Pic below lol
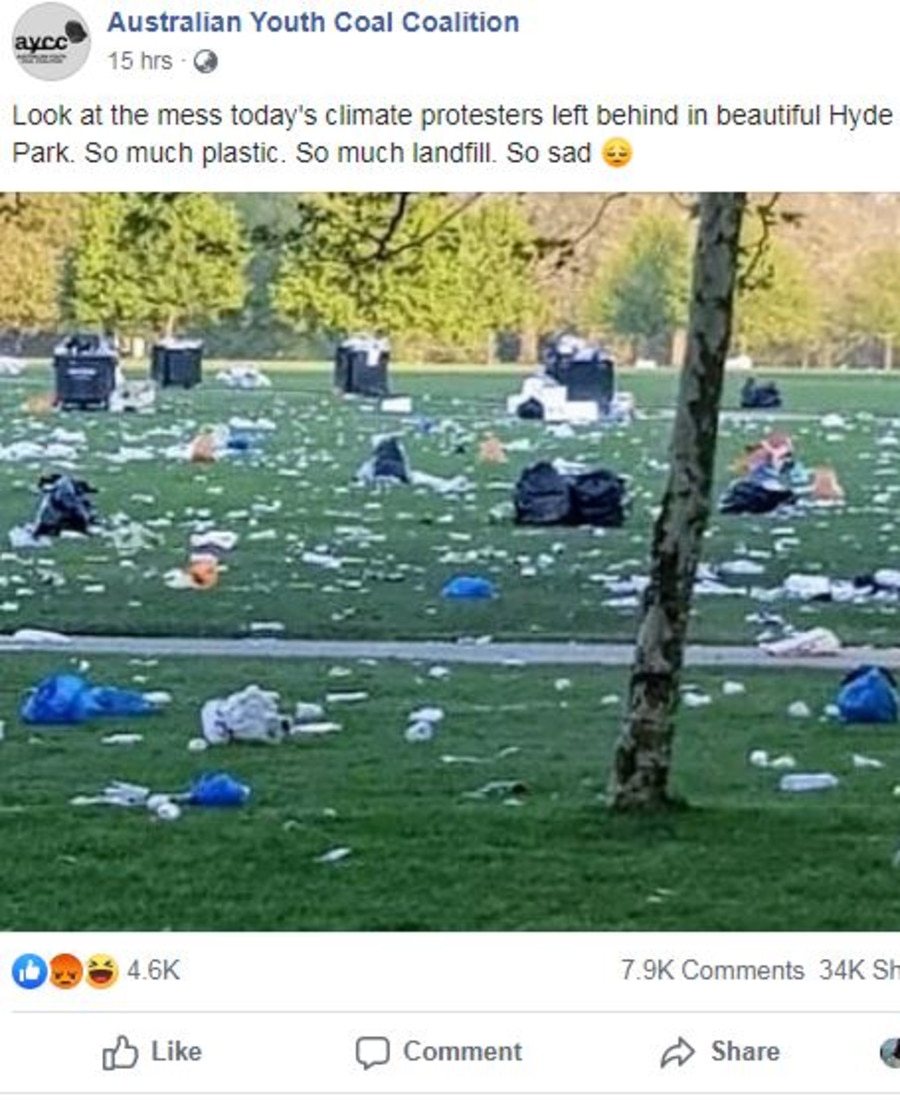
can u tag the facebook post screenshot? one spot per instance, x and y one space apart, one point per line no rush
449 559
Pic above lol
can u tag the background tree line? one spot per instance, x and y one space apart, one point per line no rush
448 277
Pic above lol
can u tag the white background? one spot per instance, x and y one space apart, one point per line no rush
568 51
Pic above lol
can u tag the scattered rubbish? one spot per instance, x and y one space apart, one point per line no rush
860 761
825 488
65 506
315 729
242 376
695 699
759 758
388 464
401 404
756 494
133 396
122 739
545 496
760 395
868 695
168 811
215 789
800 782
491 450
783 763
799 709
67 699
334 855
468 588
438 672
214 541
500 788
251 714
198 744
31 636
308 712
818 642
346 696
733 687
419 731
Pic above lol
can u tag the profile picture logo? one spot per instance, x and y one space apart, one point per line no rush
51 41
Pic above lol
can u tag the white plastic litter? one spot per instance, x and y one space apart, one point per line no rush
783 763
315 729
308 712
860 761
248 715
346 696
122 739
30 636
432 715
22 538
197 744
215 540
733 687
801 782
695 699
759 758
168 811
419 731
242 376
799 709
334 855
818 642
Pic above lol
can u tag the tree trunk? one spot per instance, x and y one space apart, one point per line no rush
888 360
528 348
640 778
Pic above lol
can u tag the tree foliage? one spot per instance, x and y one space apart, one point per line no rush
642 289
873 298
154 262
781 308
35 231
427 269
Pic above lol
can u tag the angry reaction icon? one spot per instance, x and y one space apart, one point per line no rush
101 971
65 971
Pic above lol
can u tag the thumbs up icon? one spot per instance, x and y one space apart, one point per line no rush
124 1055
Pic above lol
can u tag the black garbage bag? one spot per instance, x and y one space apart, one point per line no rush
598 499
543 496
389 460
749 497
531 409
66 505
760 395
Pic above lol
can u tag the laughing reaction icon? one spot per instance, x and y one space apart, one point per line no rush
101 971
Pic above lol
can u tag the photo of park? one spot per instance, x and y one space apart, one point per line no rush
449 562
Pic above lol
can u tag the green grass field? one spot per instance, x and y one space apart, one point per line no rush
400 546
424 855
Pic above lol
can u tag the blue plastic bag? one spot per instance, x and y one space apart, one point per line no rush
218 789
868 697
468 588
66 699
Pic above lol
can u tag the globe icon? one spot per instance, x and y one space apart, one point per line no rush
205 61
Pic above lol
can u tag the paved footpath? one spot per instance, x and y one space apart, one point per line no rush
468 653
